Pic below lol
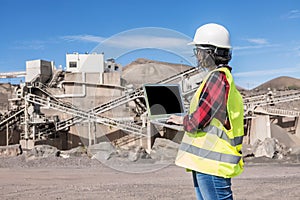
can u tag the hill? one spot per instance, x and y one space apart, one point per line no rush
143 71
280 83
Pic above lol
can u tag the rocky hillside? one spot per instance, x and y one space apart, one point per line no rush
280 83
143 71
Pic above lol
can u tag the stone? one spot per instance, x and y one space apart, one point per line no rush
43 151
137 153
265 148
101 151
75 152
11 150
164 150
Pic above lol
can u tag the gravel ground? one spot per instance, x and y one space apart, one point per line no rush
85 178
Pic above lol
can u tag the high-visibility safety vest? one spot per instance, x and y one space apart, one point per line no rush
215 150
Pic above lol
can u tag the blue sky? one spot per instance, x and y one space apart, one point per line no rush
265 34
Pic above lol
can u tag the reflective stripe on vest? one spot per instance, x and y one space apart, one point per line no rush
210 154
221 134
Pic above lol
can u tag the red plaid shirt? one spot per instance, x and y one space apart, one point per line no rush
212 103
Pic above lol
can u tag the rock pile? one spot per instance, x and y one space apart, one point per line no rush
163 150
11 150
106 151
43 151
270 148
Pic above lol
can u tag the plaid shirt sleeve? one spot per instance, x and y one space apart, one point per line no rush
212 103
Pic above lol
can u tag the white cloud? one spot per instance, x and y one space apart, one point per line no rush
268 72
254 47
136 39
147 41
247 47
255 43
131 41
84 38
123 44
260 41
293 14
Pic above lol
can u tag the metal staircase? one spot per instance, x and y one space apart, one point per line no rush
102 108
43 88
277 112
12 119
139 93
252 103
91 116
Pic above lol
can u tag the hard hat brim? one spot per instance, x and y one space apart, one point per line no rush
225 47
191 43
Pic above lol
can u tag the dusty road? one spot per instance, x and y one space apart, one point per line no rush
96 181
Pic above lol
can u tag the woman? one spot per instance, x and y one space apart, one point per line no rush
212 142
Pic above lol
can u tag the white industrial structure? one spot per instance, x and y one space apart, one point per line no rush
38 69
85 62
87 103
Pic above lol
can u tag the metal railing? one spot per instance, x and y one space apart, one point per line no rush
90 116
277 112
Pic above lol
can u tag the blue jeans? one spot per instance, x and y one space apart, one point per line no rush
209 187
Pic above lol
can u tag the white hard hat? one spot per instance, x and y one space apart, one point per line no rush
212 34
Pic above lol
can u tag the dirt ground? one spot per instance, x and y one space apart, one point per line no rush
84 178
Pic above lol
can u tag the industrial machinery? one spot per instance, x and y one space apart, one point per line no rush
86 103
